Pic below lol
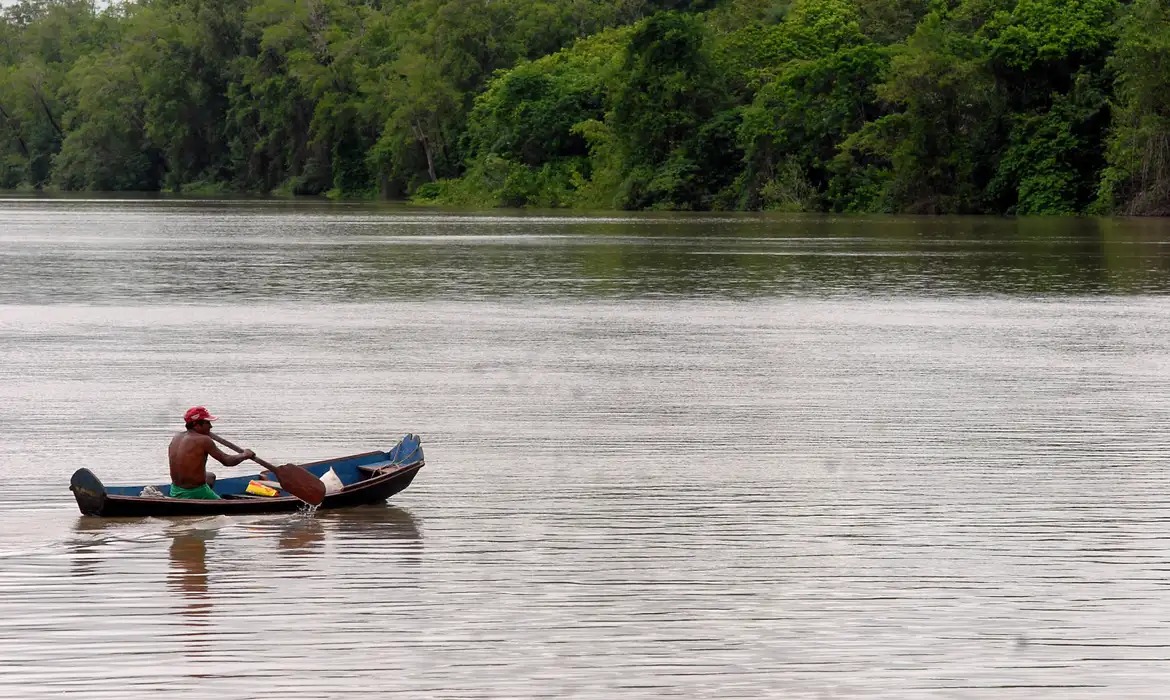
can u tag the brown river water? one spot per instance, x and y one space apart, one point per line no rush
692 456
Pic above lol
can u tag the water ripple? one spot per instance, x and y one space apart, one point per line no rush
667 457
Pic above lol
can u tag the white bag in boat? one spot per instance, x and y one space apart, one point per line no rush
332 481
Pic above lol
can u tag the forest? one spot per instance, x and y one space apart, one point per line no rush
1005 107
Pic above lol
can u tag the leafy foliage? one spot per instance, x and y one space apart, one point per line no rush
994 106
1137 179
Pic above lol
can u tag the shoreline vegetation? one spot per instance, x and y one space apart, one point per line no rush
1011 107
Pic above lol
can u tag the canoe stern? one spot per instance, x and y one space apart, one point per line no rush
89 492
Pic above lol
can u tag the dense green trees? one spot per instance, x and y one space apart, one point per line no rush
1137 180
982 106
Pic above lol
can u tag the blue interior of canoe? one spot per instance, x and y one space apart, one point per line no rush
348 469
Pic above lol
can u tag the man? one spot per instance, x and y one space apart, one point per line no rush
188 453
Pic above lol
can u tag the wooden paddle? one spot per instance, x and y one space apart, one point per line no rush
296 480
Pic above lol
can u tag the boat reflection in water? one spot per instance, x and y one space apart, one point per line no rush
380 521
301 536
200 550
188 573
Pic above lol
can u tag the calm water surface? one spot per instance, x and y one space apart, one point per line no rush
667 456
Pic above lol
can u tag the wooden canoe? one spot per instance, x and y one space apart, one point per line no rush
368 477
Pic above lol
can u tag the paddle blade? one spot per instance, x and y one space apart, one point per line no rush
300 483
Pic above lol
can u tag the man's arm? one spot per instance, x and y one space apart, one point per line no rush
226 459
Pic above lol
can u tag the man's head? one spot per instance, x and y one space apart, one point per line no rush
198 419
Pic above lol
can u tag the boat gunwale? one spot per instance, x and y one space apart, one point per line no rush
229 498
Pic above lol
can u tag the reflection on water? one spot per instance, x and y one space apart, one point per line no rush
301 536
267 252
668 455
188 580
381 521
188 577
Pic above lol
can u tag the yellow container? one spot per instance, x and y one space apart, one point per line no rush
259 489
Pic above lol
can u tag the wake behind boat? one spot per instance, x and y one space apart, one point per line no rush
365 478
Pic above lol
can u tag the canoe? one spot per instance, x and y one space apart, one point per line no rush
368 477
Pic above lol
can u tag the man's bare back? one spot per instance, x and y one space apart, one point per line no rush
188 456
189 450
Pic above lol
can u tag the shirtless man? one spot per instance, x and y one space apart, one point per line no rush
188 453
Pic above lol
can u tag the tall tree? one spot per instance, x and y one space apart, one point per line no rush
1137 180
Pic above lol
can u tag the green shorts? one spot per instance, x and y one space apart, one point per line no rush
201 492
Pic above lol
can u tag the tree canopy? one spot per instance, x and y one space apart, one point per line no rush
956 106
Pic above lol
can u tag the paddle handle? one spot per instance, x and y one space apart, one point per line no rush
230 446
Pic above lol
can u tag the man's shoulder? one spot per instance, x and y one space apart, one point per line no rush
193 438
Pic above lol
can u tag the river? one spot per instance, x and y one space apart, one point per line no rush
668 455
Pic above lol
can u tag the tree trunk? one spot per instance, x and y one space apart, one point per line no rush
15 130
421 137
49 113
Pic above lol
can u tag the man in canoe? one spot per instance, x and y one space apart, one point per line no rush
188 454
